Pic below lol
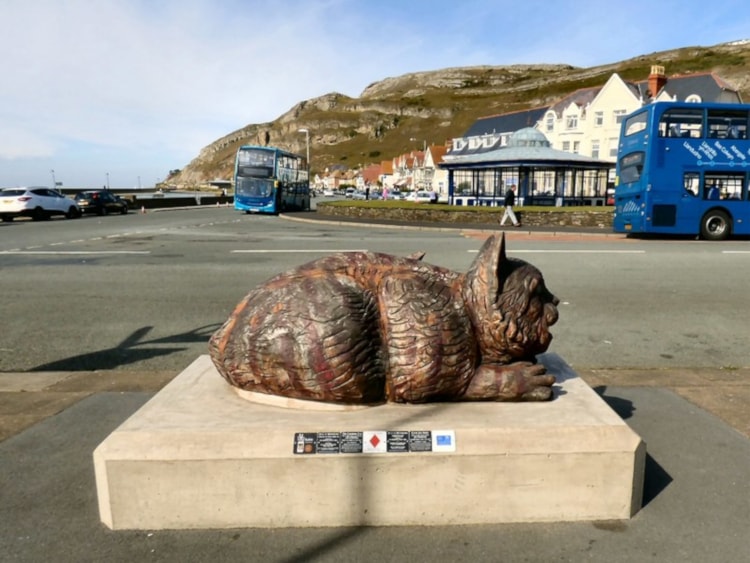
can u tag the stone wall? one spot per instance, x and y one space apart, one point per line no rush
555 217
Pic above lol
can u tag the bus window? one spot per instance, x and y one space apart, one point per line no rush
681 122
631 167
727 124
725 185
635 124
255 157
691 182
254 162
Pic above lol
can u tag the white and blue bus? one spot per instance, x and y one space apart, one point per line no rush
683 168
270 180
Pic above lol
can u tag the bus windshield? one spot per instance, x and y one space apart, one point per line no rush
255 157
255 162
254 187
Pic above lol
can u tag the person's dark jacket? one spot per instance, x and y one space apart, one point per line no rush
510 198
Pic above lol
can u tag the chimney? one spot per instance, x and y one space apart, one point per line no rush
656 80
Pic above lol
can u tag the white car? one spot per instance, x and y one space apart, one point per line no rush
36 202
328 192
420 196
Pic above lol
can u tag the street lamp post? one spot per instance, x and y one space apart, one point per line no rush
54 182
421 183
107 180
307 145
424 143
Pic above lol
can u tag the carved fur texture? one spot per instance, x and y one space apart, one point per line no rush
364 328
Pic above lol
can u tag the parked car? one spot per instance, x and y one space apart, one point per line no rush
101 202
610 196
419 196
328 192
36 202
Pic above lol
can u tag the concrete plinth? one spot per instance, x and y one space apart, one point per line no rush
198 455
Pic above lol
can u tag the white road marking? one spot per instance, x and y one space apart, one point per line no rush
75 252
578 252
573 251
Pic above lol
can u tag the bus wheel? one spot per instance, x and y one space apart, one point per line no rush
715 225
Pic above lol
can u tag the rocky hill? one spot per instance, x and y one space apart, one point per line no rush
436 106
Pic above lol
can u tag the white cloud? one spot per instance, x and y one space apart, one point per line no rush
126 78
18 142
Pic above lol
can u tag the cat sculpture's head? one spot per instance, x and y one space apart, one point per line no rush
509 304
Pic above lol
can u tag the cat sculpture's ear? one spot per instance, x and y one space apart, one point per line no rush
483 280
481 291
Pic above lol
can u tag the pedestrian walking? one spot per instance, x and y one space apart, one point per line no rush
510 201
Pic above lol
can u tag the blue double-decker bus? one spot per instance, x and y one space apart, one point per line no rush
683 168
270 180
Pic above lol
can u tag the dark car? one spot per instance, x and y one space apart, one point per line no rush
101 202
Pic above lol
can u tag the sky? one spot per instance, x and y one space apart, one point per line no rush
119 92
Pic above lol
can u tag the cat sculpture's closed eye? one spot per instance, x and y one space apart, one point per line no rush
366 328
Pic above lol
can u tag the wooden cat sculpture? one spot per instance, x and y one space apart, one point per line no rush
364 328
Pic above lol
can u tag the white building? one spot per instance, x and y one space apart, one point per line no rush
587 121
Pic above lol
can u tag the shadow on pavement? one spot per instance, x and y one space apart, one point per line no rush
132 349
656 479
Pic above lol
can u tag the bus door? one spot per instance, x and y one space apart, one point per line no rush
688 203
675 178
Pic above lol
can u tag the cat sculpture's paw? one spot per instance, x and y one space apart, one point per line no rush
519 381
